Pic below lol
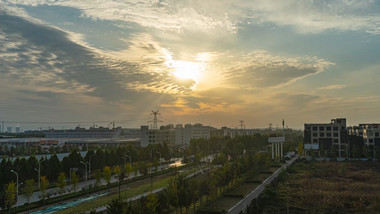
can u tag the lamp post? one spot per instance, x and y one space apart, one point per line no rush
130 159
39 173
85 172
89 164
151 178
160 157
16 184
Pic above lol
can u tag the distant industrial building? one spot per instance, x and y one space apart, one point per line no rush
100 133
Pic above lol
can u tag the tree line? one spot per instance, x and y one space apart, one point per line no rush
239 158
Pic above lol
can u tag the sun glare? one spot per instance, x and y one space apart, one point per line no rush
185 70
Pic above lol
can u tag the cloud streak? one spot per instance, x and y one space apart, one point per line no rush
178 16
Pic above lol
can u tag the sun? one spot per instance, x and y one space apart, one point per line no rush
187 70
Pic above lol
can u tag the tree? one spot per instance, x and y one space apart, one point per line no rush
44 185
107 174
300 149
151 202
115 206
98 176
61 182
10 195
172 191
74 180
29 188
116 169
128 169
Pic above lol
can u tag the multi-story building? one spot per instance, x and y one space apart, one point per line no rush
371 137
164 134
178 135
326 139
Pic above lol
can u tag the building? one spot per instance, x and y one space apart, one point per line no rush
18 130
326 139
371 137
224 131
9 129
178 135
131 133
92 132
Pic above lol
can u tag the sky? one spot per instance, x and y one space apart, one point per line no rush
89 62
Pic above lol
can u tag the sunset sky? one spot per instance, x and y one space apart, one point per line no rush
212 61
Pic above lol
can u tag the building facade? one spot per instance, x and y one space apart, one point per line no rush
326 139
100 133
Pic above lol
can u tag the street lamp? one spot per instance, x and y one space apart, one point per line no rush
160 156
130 159
151 178
16 184
85 164
39 173
89 164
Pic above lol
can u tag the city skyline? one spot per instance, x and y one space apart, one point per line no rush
209 62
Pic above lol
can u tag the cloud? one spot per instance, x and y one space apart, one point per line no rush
317 16
41 67
259 69
178 16
332 87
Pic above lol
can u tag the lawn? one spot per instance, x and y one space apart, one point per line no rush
128 191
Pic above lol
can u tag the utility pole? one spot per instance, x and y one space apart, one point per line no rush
155 126
242 126
155 119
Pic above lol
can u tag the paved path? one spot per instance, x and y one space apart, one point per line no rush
244 203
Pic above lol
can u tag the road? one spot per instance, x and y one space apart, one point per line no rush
244 203
22 199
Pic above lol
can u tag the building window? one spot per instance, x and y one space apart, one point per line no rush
328 128
335 128
336 141
321 134
315 129
321 128
336 134
377 134
370 140
328 134
315 134
315 140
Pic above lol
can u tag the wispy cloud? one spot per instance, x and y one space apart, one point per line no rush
260 69
332 87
